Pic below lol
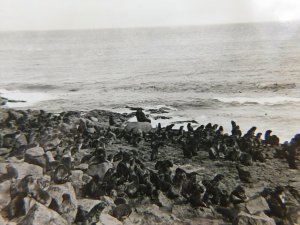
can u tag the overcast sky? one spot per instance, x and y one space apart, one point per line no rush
87 14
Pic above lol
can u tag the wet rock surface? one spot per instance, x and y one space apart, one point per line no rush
91 167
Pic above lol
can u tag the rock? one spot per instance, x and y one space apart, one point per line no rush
87 204
108 219
20 140
247 219
257 205
99 169
82 166
165 202
5 221
24 169
4 151
186 211
41 215
57 192
295 217
108 200
35 156
77 182
49 145
4 193
150 214
91 130
93 119
135 127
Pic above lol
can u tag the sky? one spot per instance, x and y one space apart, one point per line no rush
94 14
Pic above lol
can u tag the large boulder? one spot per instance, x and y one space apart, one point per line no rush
35 156
137 127
40 215
248 219
99 169
24 169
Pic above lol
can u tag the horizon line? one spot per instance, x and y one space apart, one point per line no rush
152 27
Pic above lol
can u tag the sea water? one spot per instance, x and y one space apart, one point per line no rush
249 73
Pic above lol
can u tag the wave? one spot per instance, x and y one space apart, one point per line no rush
206 87
236 102
276 100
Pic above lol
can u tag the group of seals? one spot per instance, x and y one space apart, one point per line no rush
129 177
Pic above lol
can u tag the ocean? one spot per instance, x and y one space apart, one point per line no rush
249 73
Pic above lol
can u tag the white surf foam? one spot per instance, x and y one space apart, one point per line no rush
30 98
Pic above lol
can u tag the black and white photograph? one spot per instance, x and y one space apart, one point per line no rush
147 112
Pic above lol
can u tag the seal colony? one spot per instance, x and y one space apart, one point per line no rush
96 168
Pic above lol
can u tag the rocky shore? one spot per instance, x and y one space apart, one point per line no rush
96 168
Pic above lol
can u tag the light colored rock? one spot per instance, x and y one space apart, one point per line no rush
41 215
4 151
165 202
24 169
35 156
248 219
77 182
107 200
108 219
51 144
87 204
99 169
295 217
82 166
20 140
150 214
94 119
5 221
186 211
136 127
256 205
4 193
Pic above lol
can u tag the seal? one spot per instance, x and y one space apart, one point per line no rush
272 140
141 117
121 211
